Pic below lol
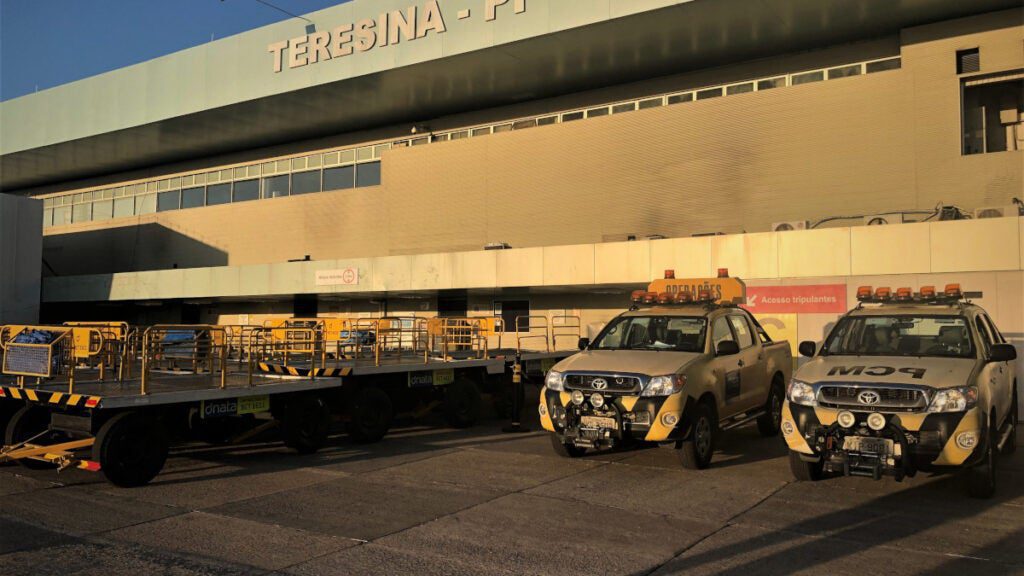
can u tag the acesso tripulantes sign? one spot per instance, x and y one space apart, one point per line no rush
387 29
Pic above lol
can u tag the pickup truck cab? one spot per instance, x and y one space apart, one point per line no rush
675 369
904 383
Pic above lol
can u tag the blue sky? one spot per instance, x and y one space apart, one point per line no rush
45 43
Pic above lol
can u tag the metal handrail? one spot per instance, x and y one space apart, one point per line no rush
530 319
151 349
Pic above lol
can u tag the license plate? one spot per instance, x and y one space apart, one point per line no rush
598 422
868 445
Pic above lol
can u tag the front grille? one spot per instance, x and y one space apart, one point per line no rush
614 382
867 397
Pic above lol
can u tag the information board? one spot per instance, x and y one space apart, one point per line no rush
27 360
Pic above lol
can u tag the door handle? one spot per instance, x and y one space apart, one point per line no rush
740 363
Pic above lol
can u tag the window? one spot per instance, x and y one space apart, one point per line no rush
124 207
81 213
522 124
744 337
720 333
145 204
678 333
218 194
680 98
509 310
245 190
900 335
481 131
993 113
62 215
595 112
275 186
620 108
547 120
986 338
770 83
650 103
48 217
460 135
844 71
808 77
168 201
709 93
193 197
420 141
882 65
997 336
368 174
503 128
341 178
740 88
968 61
103 210
306 182
570 116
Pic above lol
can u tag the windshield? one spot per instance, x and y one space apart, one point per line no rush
899 335
676 333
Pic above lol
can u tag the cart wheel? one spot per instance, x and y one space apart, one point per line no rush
25 424
461 403
371 415
131 448
307 422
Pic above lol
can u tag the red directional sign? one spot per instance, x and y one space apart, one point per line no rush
809 299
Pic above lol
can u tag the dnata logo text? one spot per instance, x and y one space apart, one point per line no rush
387 29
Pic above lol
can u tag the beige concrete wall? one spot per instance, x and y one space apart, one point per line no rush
867 144
21 237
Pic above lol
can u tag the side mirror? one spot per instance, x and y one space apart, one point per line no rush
727 348
1003 353
808 348
584 343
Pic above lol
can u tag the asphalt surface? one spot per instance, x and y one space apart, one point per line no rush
431 500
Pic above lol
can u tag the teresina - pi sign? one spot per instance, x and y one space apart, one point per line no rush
388 29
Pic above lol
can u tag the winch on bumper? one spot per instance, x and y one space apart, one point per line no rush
590 419
874 444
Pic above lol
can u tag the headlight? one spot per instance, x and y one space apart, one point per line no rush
555 381
954 399
664 385
801 393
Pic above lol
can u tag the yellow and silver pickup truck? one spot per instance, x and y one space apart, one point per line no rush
682 364
902 383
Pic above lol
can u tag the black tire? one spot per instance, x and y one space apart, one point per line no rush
27 422
768 424
307 423
131 448
214 431
981 478
805 471
565 450
695 451
1011 443
371 414
461 403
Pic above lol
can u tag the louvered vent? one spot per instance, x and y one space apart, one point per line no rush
968 61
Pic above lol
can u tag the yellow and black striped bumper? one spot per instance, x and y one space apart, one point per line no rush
304 372
53 399
665 414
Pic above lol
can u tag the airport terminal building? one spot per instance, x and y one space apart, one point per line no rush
537 157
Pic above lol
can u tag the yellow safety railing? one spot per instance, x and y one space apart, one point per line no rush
57 358
202 347
565 326
528 324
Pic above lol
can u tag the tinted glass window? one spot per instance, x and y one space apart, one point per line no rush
275 186
997 336
103 210
986 338
81 213
901 335
340 178
720 333
671 333
193 197
168 201
218 194
368 174
306 182
124 207
744 337
246 190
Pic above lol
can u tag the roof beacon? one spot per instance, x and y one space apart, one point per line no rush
670 274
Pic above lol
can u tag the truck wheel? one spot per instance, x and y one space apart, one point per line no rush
805 471
461 403
769 422
26 423
371 415
695 451
131 449
981 479
1011 443
566 450
307 422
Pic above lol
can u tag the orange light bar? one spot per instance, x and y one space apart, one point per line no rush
664 298
637 296
704 295
864 293
883 293
650 297
723 272
683 297
903 293
670 274
927 291
953 291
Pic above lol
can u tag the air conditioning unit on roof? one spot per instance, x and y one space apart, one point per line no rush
883 219
997 211
791 225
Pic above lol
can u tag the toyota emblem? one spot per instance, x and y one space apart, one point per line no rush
868 397
598 383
